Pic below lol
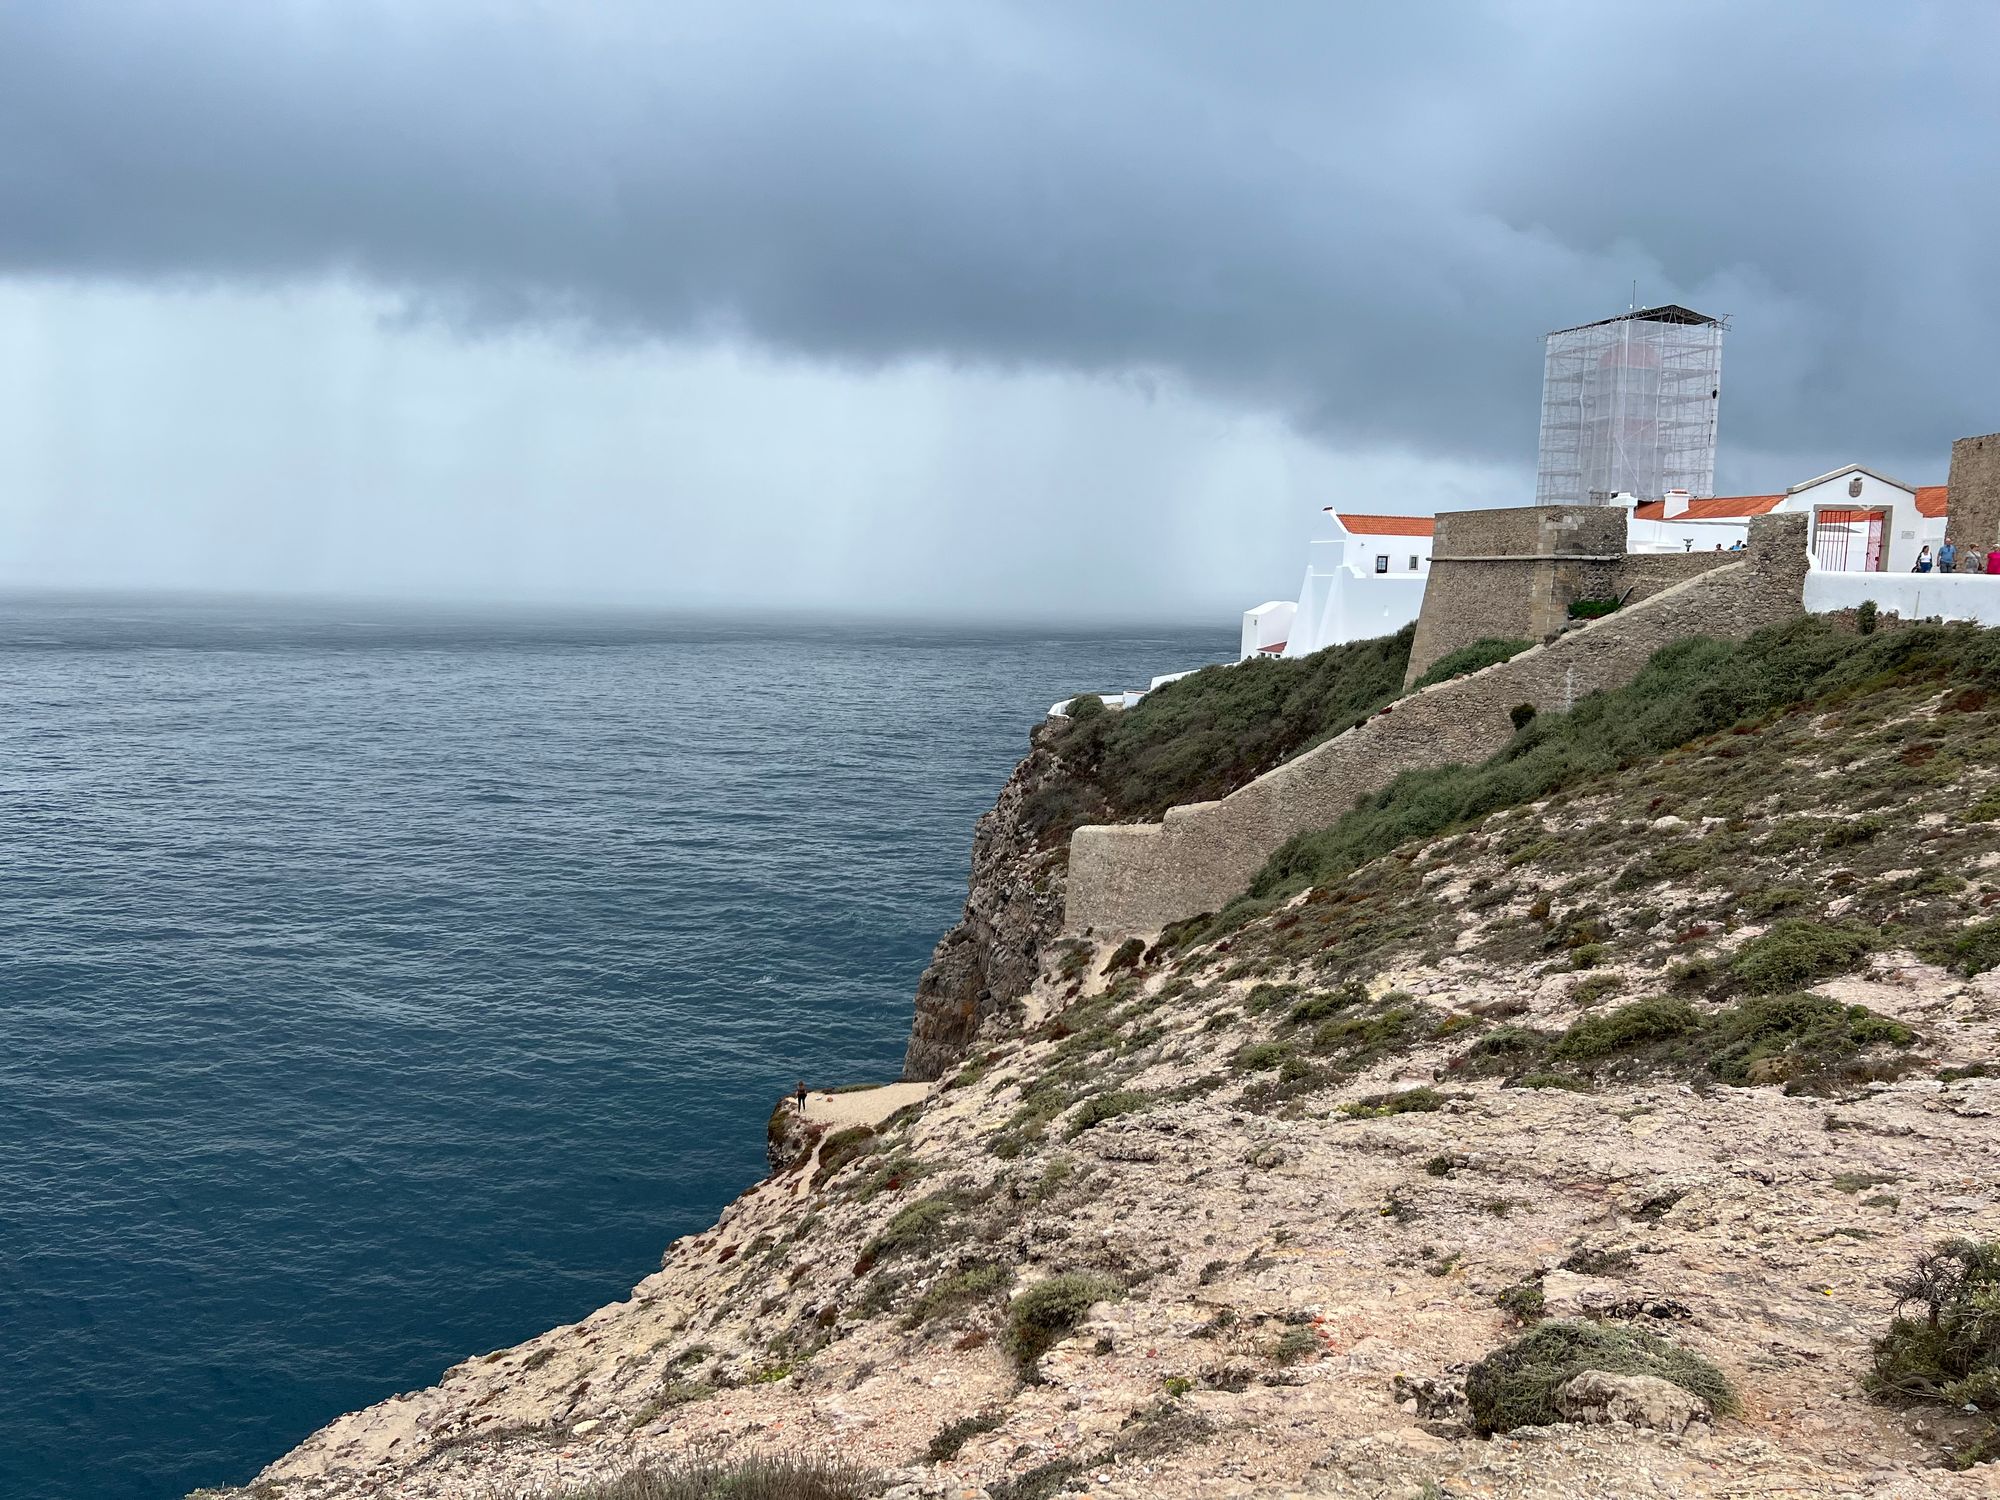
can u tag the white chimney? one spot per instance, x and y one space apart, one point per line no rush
1676 503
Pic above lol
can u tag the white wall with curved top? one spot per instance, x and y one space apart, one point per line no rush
1912 596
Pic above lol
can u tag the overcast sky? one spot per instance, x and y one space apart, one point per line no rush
999 307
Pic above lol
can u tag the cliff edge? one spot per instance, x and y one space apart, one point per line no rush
987 963
1613 1117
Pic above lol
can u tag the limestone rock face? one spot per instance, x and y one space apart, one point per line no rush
1013 907
1641 1400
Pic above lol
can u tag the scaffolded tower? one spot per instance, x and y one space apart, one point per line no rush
1628 407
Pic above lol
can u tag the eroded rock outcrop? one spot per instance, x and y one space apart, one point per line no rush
1596 1398
1013 907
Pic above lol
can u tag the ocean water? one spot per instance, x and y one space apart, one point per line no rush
384 986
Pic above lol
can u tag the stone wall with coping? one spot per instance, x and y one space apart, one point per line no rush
1137 878
1644 574
1513 574
1973 522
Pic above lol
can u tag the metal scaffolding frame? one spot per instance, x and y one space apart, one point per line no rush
1628 407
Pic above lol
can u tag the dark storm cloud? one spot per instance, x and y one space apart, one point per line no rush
1363 223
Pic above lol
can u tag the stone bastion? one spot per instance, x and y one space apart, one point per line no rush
1138 877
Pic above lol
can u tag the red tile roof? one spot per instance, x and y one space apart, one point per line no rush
1721 508
1930 502
1384 525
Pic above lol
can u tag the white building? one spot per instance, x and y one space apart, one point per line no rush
1365 580
1862 521
1866 532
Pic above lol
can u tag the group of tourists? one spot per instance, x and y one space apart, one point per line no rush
1950 560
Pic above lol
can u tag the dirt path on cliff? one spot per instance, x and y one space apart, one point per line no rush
862 1106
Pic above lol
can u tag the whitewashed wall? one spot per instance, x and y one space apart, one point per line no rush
1347 604
1683 536
1266 625
1914 596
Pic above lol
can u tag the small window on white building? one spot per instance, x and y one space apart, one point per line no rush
1381 562
1413 562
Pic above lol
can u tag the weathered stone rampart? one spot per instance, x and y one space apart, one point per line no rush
1974 490
1512 574
1131 878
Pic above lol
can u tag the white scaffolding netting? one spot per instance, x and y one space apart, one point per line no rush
1628 407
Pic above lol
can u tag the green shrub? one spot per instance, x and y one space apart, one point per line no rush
1259 1057
1521 715
954 1435
1048 1312
1125 956
1973 949
922 1225
1628 1027
1264 997
1587 992
1204 735
1362 1038
1515 1386
963 1289
1075 958
1084 707
843 1147
1294 1346
1864 616
1798 952
1409 1101
1852 832
1949 1354
1523 1300
1592 609
1589 1261
1792 1037
1508 1041
1106 1106
1480 655
1772 899
1799 1040
1550 1081
765 1477
1317 1007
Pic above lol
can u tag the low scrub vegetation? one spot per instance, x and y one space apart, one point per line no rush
923 1225
959 1291
1943 1345
1692 688
954 1435
1210 732
1106 1106
1465 660
1516 1385
1797 953
1807 1042
1049 1311
786 1477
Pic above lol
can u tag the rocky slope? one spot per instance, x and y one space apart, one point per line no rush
985 965
1708 1048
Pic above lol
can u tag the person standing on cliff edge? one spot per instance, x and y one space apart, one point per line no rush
799 1096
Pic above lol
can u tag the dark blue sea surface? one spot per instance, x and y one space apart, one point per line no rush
384 986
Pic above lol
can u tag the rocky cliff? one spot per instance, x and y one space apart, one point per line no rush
1582 1144
986 964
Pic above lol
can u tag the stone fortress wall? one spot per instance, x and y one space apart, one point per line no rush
1137 878
1973 523
1512 574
